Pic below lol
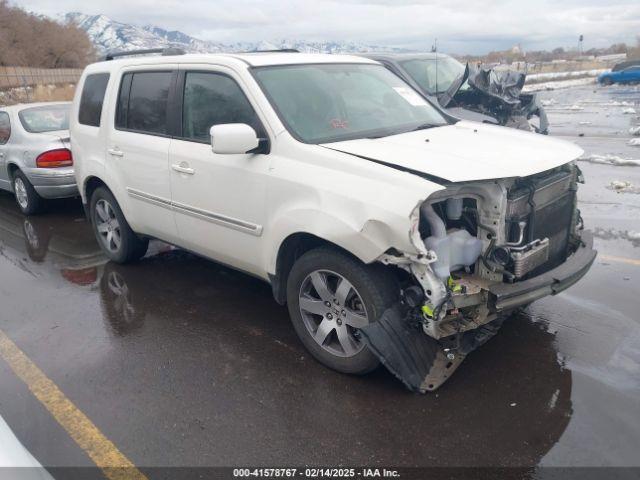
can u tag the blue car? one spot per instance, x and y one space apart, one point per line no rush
627 74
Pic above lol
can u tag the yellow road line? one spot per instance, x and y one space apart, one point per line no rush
100 449
613 258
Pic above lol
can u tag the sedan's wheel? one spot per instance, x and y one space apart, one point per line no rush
330 296
27 198
332 311
607 81
113 232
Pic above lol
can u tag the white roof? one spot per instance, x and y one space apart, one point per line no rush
257 59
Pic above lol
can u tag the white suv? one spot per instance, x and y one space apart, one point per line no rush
394 232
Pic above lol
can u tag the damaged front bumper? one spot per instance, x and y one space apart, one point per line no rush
507 297
424 352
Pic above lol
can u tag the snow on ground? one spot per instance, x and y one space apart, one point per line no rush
635 130
609 159
621 186
634 142
629 111
555 85
536 77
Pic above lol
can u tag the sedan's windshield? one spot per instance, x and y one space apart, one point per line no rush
321 103
434 76
45 119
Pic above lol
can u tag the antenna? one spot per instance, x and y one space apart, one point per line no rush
435 49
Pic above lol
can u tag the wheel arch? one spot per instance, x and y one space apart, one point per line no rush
12 168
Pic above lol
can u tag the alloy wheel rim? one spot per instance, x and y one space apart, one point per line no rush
21 193
108 226
332 311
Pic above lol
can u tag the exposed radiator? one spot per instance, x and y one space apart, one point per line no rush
552 202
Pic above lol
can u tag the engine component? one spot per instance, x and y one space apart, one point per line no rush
455 248
530 257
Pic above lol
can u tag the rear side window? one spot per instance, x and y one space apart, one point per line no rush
92 98
5 128
213 99
142 102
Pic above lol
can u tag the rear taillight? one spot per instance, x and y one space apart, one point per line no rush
55 158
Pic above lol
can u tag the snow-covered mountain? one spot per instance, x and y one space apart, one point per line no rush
110 35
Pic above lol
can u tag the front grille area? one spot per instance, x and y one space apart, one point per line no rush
546 203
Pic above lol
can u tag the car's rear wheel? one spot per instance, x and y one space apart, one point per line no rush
27 198
117 240
331 295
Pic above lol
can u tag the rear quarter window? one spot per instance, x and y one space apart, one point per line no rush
92 98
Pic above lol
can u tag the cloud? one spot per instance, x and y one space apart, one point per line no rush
461 26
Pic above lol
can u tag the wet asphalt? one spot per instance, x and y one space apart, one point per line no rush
182 362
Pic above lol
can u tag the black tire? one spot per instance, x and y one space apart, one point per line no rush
374 284
607 81
131 247
31 203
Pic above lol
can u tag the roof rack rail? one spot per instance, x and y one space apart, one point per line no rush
276 50
163 51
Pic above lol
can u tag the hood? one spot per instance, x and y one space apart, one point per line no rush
446 97
465 151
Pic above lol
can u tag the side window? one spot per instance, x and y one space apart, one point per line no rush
91 99
213 99
142 102
5 128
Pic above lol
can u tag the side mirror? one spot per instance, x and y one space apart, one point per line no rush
233 138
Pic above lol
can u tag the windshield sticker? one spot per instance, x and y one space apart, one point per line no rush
338 123
410 96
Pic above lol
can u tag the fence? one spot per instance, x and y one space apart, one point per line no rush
14 77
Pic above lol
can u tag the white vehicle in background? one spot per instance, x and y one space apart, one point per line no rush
35 159
16 463
393 232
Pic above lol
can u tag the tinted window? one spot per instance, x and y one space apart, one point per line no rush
147 105
213 99
92 98
45 119
5 127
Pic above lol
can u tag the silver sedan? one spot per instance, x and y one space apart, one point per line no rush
35 159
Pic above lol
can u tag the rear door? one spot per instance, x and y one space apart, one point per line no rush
219 202
138 149
5 133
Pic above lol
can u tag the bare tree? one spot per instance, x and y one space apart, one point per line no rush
30 40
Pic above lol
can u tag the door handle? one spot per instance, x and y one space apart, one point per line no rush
115 152
183 169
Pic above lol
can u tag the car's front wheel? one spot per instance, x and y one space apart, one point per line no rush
330 296
118 241
607 81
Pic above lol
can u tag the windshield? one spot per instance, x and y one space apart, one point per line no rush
434 76
321 103
45 119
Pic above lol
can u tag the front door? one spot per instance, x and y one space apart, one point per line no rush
5 133
218 200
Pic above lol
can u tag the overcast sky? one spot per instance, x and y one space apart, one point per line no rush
461 26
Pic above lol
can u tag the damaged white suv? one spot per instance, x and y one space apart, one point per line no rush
393 232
